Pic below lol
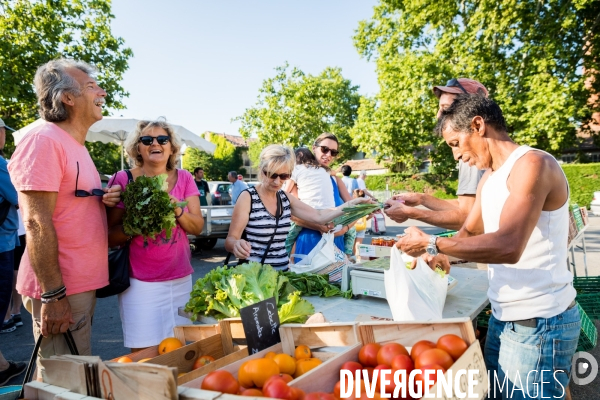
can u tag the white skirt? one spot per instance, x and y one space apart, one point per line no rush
149 310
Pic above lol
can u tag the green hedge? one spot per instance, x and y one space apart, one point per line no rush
583 179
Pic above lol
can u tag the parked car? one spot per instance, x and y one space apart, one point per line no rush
252 183
219 193
595 205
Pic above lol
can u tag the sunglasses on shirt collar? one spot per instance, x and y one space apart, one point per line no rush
148 140
85 193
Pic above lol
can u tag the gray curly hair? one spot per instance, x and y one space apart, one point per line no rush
52 81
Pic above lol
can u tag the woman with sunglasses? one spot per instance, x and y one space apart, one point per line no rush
262 215
325 149
160 268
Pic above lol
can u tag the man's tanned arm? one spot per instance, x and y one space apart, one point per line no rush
42 247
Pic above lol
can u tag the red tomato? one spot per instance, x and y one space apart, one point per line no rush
337 389
369 372
452 345
297 394
352 366
420 347
202 361
252 393
220 381
368 354
319 396
432 377
434 356
402 361
388 351
389 388
277 389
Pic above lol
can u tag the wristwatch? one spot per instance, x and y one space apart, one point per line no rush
431 246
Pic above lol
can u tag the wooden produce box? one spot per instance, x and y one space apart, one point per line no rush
185 334
326 340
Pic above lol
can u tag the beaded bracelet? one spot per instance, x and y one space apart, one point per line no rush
179 216
53 293
53 300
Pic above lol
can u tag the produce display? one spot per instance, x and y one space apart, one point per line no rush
222 292
148 208
354 213
315 285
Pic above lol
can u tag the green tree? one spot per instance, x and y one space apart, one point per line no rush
539 60
106 156
36 31
293 108
216 166
198 158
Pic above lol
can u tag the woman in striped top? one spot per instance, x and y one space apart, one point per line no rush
262 215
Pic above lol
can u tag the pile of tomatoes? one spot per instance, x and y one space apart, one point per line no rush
266 377
424 355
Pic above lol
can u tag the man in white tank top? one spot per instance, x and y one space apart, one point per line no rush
518 225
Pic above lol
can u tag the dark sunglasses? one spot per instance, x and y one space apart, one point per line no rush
283 177
455 83
326 150
148 140
85 193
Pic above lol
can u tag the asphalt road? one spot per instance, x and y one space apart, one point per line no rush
107 336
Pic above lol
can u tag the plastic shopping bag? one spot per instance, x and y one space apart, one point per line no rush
321 256
414 294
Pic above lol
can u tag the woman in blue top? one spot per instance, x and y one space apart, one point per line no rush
325 149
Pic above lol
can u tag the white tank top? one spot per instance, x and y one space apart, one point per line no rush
539 285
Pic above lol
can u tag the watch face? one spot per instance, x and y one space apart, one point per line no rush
431 251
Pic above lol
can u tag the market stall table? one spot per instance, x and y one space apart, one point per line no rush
466 299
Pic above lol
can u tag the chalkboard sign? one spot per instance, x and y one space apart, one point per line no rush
261 325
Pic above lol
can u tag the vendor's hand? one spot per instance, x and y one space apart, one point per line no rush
56 317
414 242
241 249
326 228
360 200
410 199
112 195
397 211
441 260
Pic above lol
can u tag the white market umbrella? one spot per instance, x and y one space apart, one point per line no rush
116 129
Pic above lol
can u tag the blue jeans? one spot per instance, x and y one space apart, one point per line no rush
6 281
531 362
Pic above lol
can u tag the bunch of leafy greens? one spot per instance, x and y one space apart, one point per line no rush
315 285
222 292
148 208
354 213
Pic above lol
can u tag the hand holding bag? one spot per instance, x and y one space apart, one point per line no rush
118 267
414 294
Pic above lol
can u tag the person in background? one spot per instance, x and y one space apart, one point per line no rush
263 212
237 186
17 301
361 224
449 214
362 184
63 208
349 182
160 268
240 177
8 239
519 225
202 185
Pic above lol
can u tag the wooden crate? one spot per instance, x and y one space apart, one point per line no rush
185 334
326 339
407 334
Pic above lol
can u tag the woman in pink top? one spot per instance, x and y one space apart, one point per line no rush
160 272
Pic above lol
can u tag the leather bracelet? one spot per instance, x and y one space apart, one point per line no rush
53 293
179 216
54 300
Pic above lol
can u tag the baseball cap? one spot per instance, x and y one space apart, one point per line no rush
2 123
454 86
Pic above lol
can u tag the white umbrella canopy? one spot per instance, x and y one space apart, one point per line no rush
116 129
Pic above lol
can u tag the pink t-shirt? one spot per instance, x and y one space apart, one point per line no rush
162 259
46 160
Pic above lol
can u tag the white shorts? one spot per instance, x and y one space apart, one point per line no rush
149 310
360 234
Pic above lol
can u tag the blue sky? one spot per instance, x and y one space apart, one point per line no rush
201 63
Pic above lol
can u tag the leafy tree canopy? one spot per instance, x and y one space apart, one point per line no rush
216 166
539 60
293 108
36 31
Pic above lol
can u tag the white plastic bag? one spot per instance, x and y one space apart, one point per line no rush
414 294
321 256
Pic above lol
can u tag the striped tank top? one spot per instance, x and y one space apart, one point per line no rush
260 229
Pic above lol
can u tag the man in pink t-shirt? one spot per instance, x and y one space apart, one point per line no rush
63 208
